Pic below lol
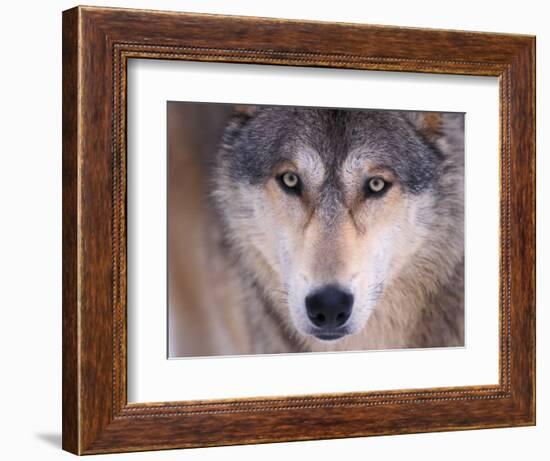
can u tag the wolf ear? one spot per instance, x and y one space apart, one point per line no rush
445 130
245 111
238 120
436 127
242 115
431 125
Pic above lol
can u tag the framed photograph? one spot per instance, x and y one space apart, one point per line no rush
281 230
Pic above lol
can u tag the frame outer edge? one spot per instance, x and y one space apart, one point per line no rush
70 178
523 241
534 213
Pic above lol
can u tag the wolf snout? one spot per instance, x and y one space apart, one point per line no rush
328 309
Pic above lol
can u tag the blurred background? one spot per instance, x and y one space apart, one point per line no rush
202 291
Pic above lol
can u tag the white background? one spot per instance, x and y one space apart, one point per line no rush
153 378
30 244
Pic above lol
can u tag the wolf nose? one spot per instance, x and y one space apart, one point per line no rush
329 307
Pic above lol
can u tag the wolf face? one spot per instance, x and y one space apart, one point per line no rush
326 208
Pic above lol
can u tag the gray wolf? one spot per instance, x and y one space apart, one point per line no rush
346 227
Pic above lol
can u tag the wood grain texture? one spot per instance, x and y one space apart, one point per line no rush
97 43
70 383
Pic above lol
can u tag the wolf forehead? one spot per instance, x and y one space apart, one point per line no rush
258 140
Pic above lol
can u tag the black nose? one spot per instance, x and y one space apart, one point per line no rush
329 307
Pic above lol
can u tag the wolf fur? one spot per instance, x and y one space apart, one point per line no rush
401 255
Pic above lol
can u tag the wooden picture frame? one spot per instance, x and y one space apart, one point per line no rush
97 44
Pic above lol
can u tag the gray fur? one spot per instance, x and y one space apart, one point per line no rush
422 305
254 144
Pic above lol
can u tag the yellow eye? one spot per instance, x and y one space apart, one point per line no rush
376 184
290 180
290 183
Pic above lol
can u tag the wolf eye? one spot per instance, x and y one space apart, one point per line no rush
376 186
290 182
